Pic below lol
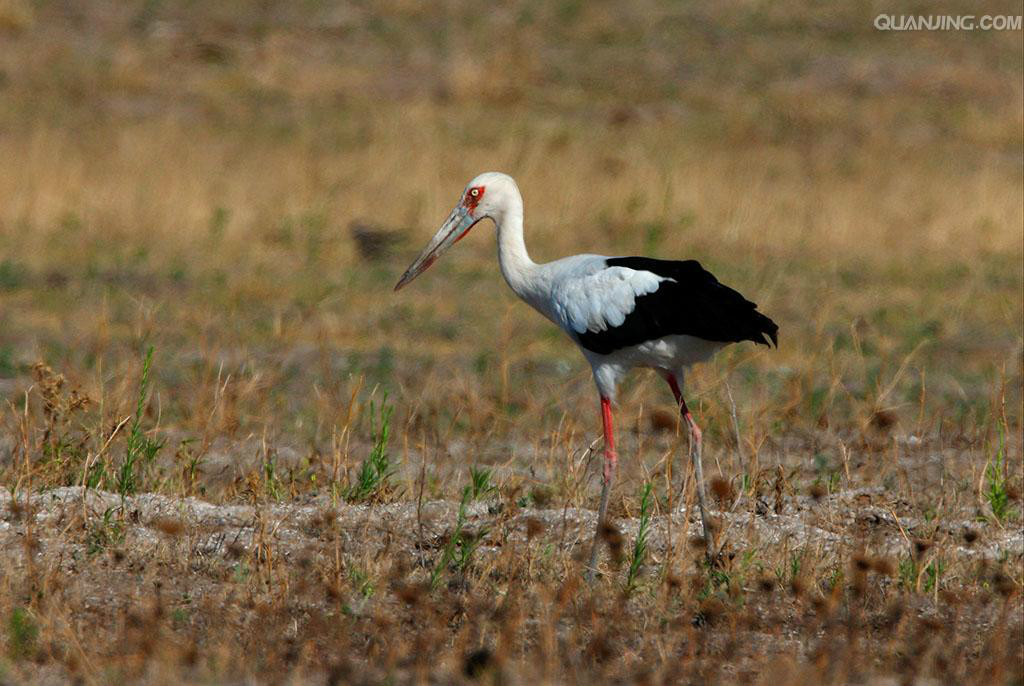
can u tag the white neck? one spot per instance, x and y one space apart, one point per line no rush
516 265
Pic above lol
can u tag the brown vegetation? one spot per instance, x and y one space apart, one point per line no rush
311 480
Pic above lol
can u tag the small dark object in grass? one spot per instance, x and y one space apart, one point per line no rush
883 420
970 536
696 542
56 279
338 674
477 663
190 655
663 421
722 490
410 594
621 115
611 534
541 496
212 52
373 242
818 491
534 527
711 610
600 649
169 526
613 539
921 547
1003 584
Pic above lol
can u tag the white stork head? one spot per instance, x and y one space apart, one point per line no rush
487 195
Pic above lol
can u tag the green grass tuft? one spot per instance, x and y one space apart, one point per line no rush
374 478
996 492
459 550
141 449
480 482
22 634
639 553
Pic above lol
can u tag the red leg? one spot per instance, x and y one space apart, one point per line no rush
695 431
610 461
696 443
611 458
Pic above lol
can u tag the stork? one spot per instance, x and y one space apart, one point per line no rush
622 312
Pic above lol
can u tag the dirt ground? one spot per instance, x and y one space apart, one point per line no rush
230 453
181 566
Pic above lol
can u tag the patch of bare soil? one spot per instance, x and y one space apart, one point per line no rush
182 589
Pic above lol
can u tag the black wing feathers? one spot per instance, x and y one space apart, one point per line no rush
693 303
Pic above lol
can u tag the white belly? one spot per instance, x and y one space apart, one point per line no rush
669 354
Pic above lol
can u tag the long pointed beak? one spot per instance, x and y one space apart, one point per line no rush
459 222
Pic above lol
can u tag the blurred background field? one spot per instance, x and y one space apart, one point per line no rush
239 185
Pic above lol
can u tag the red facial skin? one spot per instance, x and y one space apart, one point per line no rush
470 201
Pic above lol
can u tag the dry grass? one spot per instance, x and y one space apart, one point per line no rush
189 178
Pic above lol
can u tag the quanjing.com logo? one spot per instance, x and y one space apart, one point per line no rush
946 22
